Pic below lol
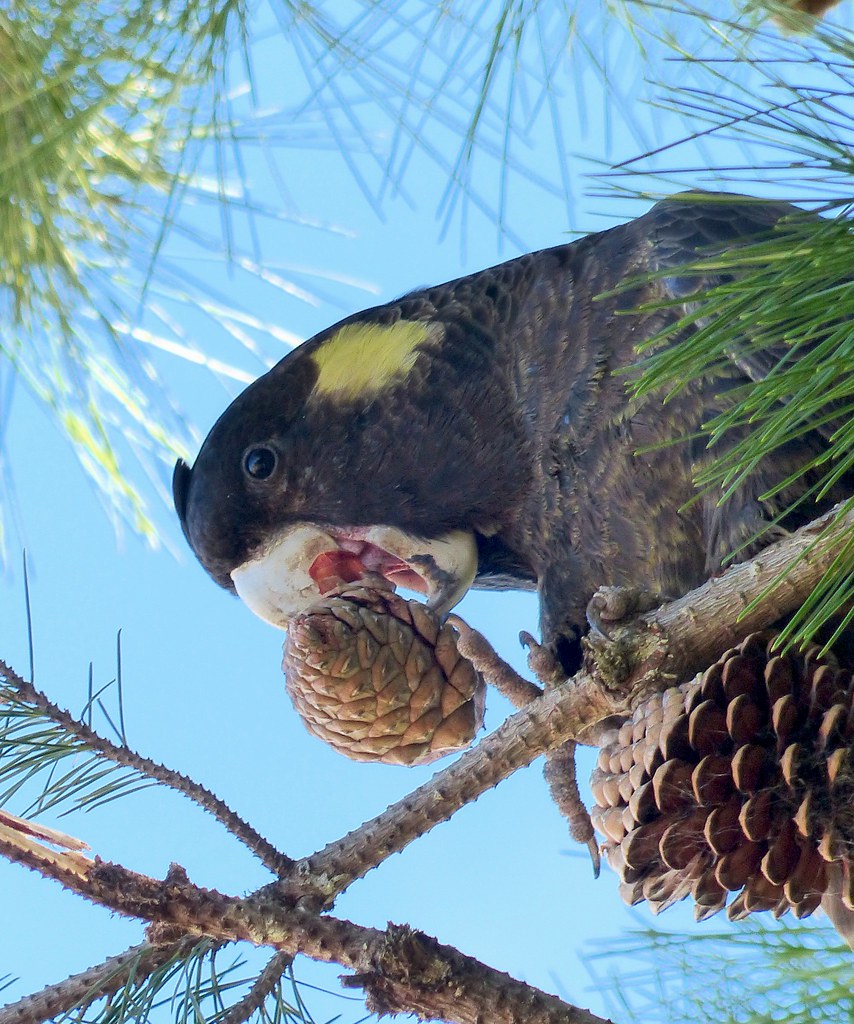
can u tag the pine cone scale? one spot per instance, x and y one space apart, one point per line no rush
736 789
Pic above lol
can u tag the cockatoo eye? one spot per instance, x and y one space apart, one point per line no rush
259 463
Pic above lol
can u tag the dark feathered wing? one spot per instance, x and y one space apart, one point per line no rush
625 508
775 240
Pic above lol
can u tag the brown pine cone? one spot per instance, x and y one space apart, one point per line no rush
741 781
380 678
816 8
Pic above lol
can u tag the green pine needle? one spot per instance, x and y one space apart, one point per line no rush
787 298
195 987
107 117
42 764
758 973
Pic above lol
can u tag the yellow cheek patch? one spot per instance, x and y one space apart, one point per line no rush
363 358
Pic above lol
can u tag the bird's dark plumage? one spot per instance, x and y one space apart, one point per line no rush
493 410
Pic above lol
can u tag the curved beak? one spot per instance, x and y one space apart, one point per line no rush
304 561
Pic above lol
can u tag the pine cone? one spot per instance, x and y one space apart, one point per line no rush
740 781
380 678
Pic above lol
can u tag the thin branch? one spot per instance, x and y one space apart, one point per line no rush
685 636
401 969
24 691
24 827
262 987
29 837
415 973
81 990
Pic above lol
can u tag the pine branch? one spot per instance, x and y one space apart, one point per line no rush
24 840
263 986
27 693
401 969
535 729
415 973
81 990
684 636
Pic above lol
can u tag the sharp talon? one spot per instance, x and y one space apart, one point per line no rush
596 630
617 605
593 848
541 661
599 608
608 604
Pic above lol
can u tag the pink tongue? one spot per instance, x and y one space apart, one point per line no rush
356 559
332 568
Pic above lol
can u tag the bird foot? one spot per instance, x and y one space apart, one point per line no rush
610 605
563 785
542 662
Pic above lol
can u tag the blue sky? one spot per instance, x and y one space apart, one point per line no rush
203 690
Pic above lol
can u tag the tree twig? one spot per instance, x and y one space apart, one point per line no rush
21 690
560 770
400 968
87 987
671 643
415 973
535 729
262 987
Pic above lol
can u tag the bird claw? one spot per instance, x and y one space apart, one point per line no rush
595 857
542 663
616 604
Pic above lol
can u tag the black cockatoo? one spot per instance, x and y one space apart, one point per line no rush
480 433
